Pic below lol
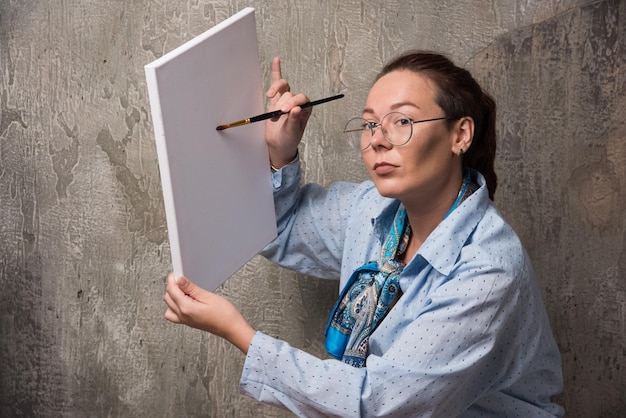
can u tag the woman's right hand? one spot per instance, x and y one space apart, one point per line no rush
283 134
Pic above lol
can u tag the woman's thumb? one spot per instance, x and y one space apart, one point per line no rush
185 285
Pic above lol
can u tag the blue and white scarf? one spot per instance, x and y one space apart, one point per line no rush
372 290
366 298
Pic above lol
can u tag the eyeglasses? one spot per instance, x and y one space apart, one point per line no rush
397 129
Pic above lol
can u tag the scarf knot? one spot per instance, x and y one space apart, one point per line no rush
367 297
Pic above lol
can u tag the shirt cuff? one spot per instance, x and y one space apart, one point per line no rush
286 170
252 382
274 169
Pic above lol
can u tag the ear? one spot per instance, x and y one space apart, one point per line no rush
464 134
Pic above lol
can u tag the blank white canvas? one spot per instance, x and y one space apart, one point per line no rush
216 184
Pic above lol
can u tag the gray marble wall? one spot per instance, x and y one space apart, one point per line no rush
83 239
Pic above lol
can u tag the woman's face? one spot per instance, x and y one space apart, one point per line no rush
425 170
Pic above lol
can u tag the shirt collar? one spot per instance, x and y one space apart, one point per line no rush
443 246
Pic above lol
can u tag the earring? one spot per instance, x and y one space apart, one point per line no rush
460 152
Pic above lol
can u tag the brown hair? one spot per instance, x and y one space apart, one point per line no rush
458 95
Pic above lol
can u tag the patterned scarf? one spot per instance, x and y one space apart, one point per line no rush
366 298
372 289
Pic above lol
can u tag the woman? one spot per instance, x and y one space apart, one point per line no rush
440 314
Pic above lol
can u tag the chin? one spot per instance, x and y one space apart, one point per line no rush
389 192
390 186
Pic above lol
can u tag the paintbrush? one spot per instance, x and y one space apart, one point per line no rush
275 113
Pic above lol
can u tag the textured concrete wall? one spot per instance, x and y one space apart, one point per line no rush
83 240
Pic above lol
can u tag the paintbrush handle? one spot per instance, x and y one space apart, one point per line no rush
276 113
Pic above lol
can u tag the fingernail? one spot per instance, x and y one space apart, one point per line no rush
181 281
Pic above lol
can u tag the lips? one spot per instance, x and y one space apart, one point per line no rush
383 168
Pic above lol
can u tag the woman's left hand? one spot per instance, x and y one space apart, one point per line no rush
193 306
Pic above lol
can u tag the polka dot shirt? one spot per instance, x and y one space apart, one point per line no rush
469 337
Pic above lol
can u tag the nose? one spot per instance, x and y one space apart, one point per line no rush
378 138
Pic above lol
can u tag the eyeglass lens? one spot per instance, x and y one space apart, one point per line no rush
397 130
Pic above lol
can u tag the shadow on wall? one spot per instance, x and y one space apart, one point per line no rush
29 361
562 152
34 375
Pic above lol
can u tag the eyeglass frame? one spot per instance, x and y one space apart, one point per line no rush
377 125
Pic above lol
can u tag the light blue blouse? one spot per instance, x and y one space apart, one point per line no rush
469 337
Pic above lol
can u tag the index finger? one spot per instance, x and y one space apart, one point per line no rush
173 290
276 72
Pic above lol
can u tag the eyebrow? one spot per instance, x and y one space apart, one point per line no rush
393 107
